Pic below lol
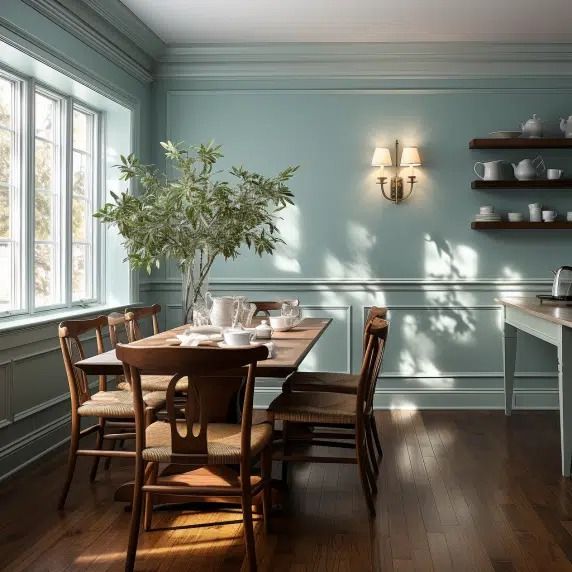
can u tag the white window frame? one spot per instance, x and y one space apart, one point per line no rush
25 162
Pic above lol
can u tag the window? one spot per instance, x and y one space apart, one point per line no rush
82 204
10 195
50 253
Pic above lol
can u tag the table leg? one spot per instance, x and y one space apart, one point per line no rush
509 357
565 395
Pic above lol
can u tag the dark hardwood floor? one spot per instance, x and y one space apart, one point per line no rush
458 491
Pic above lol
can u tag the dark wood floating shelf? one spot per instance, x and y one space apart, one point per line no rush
525 225
522 143
536 184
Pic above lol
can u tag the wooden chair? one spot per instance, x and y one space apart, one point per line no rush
333 382
121 330
190 438
264 308
133 317
114 409
306 408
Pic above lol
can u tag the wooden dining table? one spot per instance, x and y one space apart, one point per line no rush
288 352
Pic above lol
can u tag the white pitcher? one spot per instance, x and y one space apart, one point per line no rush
492 170
222 310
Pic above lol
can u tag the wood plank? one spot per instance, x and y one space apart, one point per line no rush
521 143
524 225
290 349
512 512
513 184
552 312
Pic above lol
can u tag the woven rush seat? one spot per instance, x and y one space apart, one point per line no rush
223 441
322 381
117 404
314 407
156 383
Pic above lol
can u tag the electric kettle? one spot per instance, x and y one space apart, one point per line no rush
562 285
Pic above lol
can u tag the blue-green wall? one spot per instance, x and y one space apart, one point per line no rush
349 249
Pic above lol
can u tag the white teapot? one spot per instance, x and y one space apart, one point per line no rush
566 127
529 169
532 127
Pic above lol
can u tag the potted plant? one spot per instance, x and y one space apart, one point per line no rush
197 216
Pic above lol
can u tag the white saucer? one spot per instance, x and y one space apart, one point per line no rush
224 345
206 330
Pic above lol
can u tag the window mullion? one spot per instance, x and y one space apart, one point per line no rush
67 238
29 129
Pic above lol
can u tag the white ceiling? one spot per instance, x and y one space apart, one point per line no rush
248 21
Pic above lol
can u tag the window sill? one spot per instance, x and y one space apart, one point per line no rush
9 324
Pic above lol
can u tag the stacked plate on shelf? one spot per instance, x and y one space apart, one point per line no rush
487 214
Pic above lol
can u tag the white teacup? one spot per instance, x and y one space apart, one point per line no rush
237 337
487 209
553 174
281 323
569 216
515 217
548 216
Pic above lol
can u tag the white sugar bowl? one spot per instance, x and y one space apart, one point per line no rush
263 331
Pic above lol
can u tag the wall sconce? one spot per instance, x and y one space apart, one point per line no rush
409 158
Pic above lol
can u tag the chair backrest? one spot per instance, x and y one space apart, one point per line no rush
198 364
73 350
374 312
376 334
133 316
265 308
118 329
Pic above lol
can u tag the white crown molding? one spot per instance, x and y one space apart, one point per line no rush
89 26
436 60
124 20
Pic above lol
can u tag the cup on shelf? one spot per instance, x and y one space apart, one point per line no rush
515 217
548 216
535 215
569 216
553 174
487 209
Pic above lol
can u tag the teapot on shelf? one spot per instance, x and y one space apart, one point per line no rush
532 127
529 169
566 127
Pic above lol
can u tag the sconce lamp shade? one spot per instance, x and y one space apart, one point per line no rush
410 157
381 157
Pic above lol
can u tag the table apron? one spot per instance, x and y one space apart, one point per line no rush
537 327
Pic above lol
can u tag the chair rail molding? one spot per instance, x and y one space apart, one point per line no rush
97 28
172 283
429 60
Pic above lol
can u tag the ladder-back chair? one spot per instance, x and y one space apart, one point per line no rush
306 408
189 437
112 408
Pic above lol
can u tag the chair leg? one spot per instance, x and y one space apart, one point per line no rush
246 500
376 436
98 446
267 492
107 463
374 465
151 478
135 515
362 466
286 449
72 457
